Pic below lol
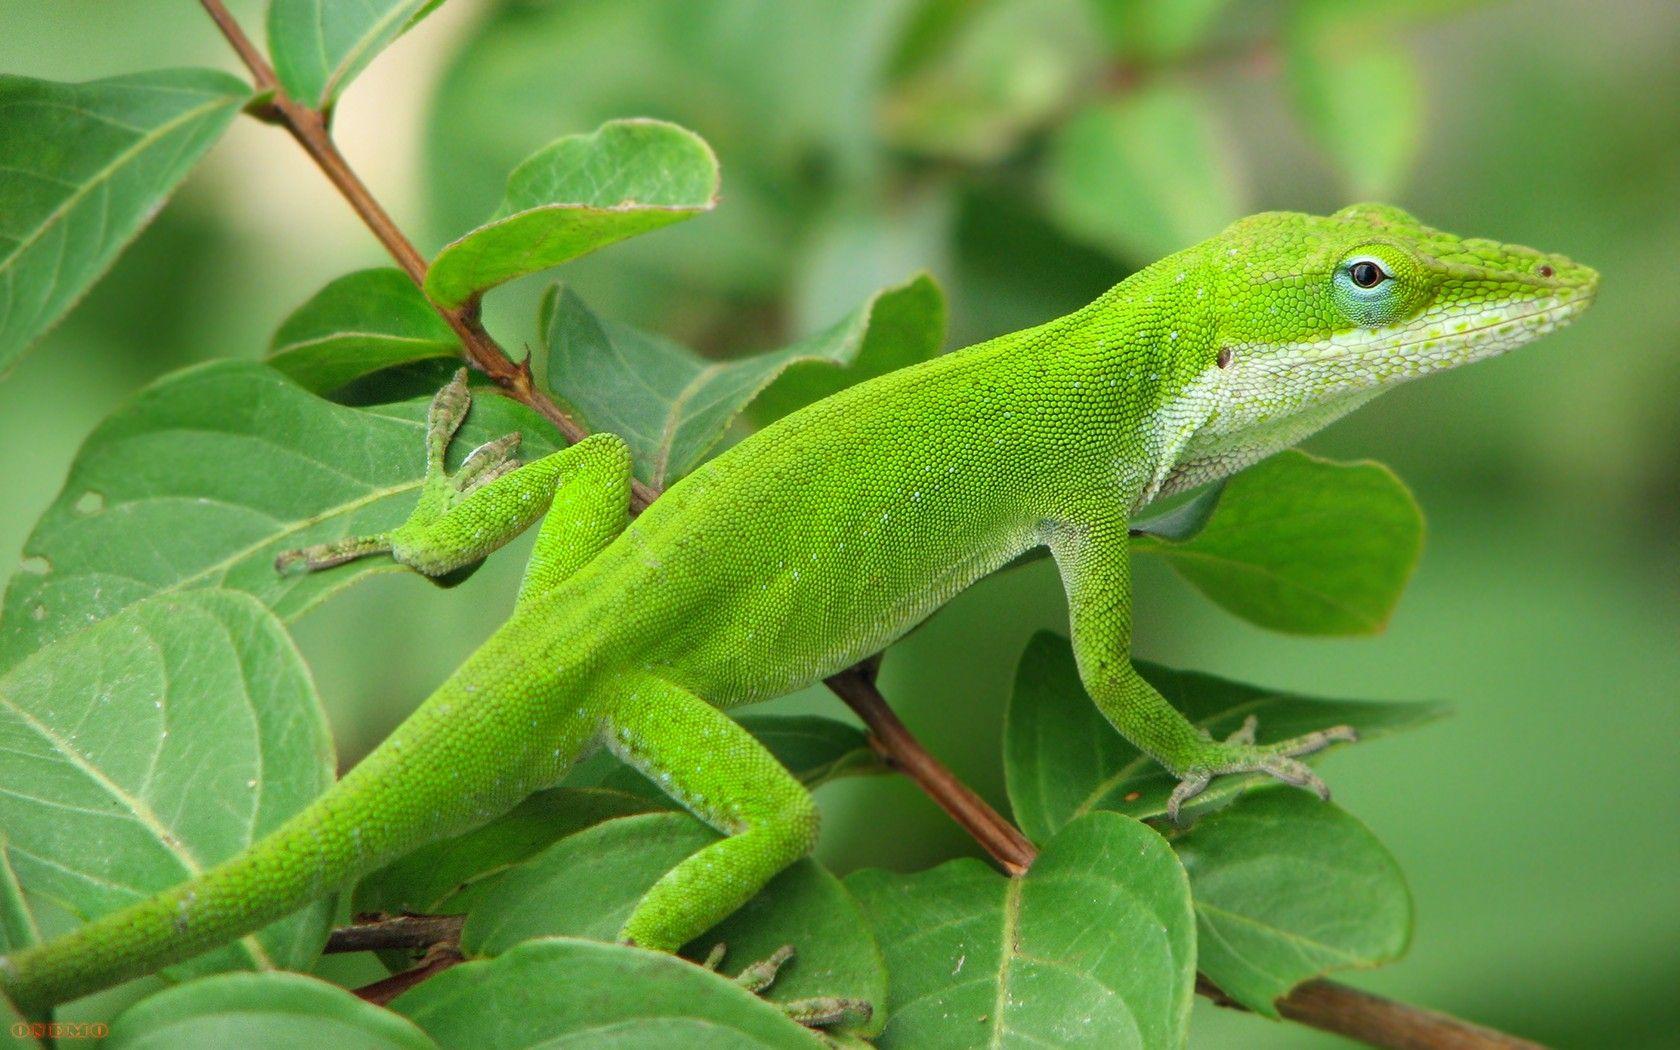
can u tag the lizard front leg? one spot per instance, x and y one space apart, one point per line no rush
1094 558
461 518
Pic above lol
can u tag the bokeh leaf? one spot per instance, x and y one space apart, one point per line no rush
578 194
1299 544
558 991
360 323
1145 174
1289 888
448 876
989 75
1157 30
262 1011
319 46
86 166
673 406
1094 946
1358 92
586 885
148 747
1062 759
791 122
207 475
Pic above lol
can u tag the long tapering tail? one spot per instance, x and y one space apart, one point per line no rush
435 776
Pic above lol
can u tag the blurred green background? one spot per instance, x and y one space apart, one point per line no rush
1030 153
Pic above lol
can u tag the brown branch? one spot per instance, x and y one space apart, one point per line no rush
309 128
398 933
893 742
439 959
1321 1004
1372 1019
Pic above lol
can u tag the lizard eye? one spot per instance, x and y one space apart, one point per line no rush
1366 273
1376 285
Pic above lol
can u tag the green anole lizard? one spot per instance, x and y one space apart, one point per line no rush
822 538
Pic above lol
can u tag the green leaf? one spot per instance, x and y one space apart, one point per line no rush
1158 30
1144 175
587 884
152 745
206 476
1359 94
261 1011
584 885
319 46
577 194
673 406
1062 759
834 952
361 323
990 75
813 748
558 992
18 929
1288 888
894 328
791 123
1299 544
86 166
448 876
1095 946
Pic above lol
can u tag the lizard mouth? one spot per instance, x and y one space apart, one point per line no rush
1491 337
1425 346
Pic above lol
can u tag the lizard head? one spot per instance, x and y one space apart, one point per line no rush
1315 315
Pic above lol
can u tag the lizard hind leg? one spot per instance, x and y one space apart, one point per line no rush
720 773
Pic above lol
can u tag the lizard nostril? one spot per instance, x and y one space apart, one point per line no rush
1546 270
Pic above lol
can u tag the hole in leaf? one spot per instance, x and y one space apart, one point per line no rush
35 565
39 612
90 502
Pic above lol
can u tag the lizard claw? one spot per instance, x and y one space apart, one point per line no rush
1238 753
327 555
816 1012
761 974
486 463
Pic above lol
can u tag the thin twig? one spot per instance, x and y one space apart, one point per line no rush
1320 1004
894 743
397 932
309 128
440 958
1372 1019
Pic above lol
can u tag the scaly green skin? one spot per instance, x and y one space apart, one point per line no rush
820 540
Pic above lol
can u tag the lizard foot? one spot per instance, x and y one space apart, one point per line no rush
1238 753
816 1012
440 492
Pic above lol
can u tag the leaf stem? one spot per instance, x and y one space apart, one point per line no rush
1320 1004
309 128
